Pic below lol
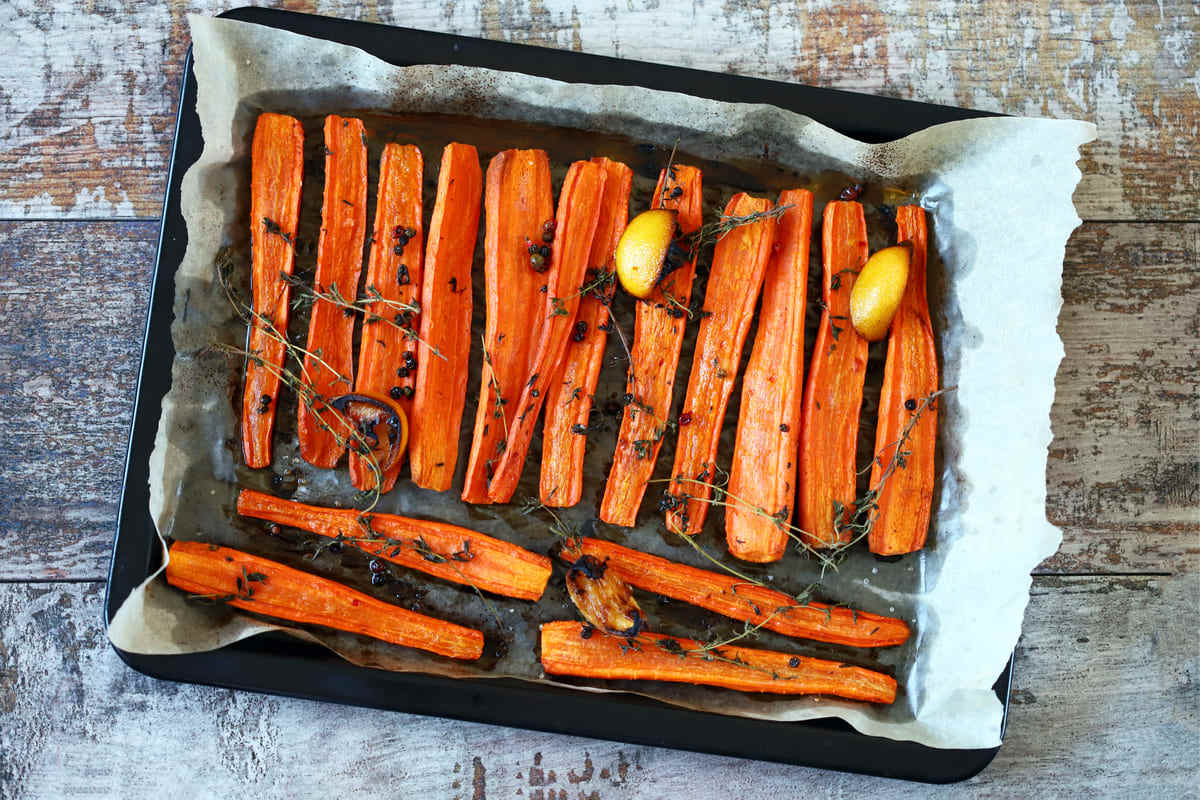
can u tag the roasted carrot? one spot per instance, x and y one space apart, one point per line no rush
833 395
569 649
739 263
276 174
576 220
329 360
910 375
519 205
386 354
735 598
569 402
659 326
455 554
762 477
274 590
441 387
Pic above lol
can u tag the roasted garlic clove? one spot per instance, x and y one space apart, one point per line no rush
603 599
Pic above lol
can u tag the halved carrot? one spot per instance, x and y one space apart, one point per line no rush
442 366
329 362
569 402
455 554
519 201
276 175
576 220
386 352
659 326
571 648
735 598
274 590
763 473
909 375
739 263
833 396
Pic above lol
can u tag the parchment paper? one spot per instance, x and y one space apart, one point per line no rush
999 196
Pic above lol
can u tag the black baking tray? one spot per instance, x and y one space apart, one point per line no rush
278 664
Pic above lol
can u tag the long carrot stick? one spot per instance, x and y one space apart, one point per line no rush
735 598
763 473
274 590
833 396
329 362
570 648
739 263
276 175
569 402
659 326
576 219
442 366
519 201
910 374
455 554
386 355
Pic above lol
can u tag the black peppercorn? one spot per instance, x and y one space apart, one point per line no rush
626 399
580 331
395 393
378 579
376 565
545 251
910 404
410 360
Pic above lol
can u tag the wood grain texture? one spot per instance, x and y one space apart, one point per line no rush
1106 700
72 313
86 133
1122 477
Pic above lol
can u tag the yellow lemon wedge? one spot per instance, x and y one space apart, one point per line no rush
878 291
642 250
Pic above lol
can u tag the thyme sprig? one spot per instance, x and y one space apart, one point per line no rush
713 232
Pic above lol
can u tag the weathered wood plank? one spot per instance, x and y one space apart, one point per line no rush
1122 477
72 311
87 108
1106 698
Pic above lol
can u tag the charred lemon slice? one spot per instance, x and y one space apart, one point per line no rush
878 291
642 251
380 426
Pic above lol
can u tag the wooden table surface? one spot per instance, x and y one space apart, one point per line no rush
1106 698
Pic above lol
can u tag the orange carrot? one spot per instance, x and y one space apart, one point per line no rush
763 474
576 220
659 326
455 554
274 590
329 362
519 201
442 366
569 402
739 263
833 396
735 598
909 375
386 353
568 649
276 175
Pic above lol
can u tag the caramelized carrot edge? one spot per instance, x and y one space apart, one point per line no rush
654 358
576 219
446 551
276 179
651 656
739 263
833 394
734 598
274 590
763 472
443 359
394 274
909 374
339 266
569 402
